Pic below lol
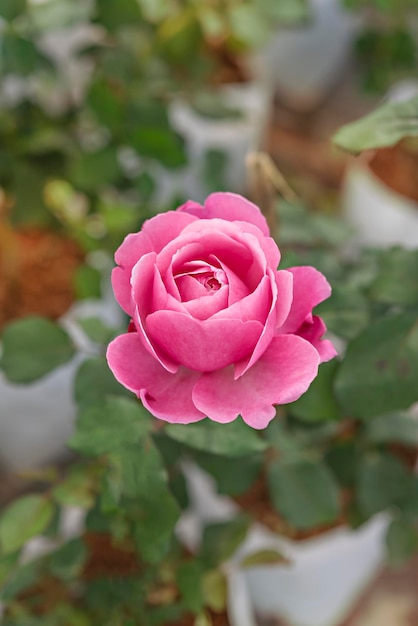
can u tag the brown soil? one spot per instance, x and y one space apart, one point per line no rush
217 619
105 559
36 274
397 167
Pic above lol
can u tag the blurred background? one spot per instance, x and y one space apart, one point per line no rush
114 110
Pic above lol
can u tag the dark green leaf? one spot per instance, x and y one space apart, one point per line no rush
346 312
318 404
20 55
397 280
23 519
395 427
68 560
92 171
303 492
33 347
385 126
232 475
87 282
234 439
114 423
380 368
94 382
401 540
343 459
221 540
161 144
382 482
189 581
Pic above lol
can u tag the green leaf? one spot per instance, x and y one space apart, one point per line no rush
393 428
397 280
23 519
232 475
115 423
189 580
380 369
234 439
87 282
401 540
77 489
139 474
215 590
264 557
343 459
114 16
10 9
67 562
33 347
95 170
318 404
303 492
97 330
382 482
161 144
383 127
20 55
94 382
346 312
22 578
222 539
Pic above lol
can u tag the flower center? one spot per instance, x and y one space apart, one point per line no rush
209 281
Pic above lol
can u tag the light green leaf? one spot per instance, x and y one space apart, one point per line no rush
215 590
303 492
385 126
264 557
23 519
33 347
397 282
114 423
234 439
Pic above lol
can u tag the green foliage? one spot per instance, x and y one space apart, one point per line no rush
33 347
384 126
304 492
23 519
234 439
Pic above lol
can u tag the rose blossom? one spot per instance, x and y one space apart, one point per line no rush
216 329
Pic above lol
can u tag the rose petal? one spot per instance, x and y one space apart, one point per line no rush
281 375
313 332
310 287
228 206
167 396
202 345
154 235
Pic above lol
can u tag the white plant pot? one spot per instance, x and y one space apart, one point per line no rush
325 574
380 216
36 419
305 60
236 138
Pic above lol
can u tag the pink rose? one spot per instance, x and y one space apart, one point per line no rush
216 329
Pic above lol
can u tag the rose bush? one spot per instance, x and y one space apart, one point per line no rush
216 329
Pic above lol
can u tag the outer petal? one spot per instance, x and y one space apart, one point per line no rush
206 345
310 287
313 332
281 375
228 206
167 396
154 235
